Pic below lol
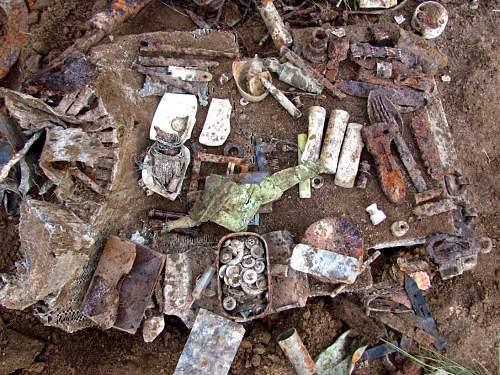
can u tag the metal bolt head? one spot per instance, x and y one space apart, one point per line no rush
257 251
229 303
248 261
260 266
249 276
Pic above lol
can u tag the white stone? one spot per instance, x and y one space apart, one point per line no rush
152 327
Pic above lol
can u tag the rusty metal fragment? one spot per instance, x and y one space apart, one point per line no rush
295 59
55 248
434 208
363 174
102 300
377 139
205 157
168 61
357 320
316 48
211 346
294 76
381 109
157 46
14 33
421 309
407 326
293 290
428 148
428 195
101 25
455 254
404 97
366 50
122 285
335 234
293 347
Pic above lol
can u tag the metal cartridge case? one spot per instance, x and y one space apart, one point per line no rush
294 348
304 186
281 98
274 23
317 116
350 155
333 140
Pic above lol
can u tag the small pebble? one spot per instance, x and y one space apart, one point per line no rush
256 360
446 78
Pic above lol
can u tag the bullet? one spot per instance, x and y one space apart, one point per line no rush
317 116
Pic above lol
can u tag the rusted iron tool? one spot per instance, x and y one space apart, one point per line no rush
156 46
381 109
378 138
14 33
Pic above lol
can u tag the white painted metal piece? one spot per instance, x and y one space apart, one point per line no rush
374 4
176 114
324 264
317 116
217 125
190 75
349 157
334 136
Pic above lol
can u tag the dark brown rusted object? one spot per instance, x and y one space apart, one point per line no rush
14 33
160 74
336 234
407 326
100 25
357 320
404 96
205 157
365 50
363 175
72 76
315 49
293 290
377 139
155 46
381 109
434 208
295 59
428 195
428 148
167 61
122 285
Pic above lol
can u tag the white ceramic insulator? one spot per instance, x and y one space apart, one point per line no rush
316 117
333 140
376 215
350 155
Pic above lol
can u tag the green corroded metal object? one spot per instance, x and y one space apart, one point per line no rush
233 205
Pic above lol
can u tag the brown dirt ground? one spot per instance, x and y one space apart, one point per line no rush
466 308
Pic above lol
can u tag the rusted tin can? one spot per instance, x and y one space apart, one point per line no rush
222 262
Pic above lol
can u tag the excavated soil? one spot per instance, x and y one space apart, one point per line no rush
466 308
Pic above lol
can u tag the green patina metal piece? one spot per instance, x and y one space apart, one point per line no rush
233 205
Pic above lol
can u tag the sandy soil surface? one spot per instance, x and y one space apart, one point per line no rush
466 308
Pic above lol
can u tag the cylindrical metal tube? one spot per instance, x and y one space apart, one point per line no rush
281 98
350 155
304 186
274 23
294 349
333 140
317 116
